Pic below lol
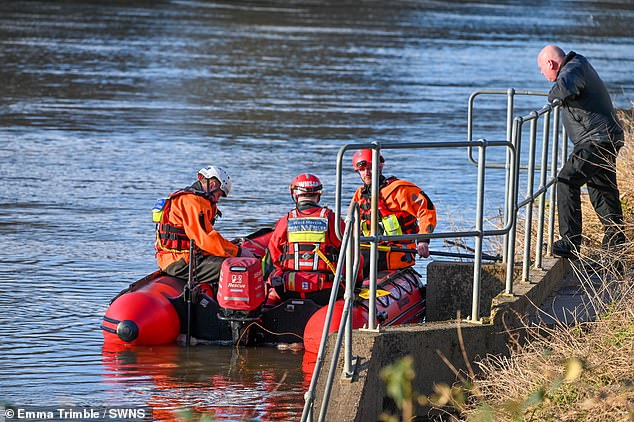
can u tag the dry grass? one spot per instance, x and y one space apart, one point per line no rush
582 371
592 228
572 371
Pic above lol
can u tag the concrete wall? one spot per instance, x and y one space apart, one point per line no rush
450 289
364 398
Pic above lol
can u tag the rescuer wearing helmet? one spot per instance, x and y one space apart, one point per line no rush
304 247
190 214
403 209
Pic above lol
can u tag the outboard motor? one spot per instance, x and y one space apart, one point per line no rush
241 294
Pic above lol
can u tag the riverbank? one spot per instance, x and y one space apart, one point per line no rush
568 371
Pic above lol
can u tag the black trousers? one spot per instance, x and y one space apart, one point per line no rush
592 164
207 269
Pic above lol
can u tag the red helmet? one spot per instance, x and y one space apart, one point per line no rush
363 158
305 184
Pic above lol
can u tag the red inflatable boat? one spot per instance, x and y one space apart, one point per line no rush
154 310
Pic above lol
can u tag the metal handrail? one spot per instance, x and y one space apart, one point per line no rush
345 325
510 108
374 238
421 145
350 242
309 396
352 258
545 184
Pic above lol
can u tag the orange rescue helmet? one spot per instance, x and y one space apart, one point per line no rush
305 184
363 158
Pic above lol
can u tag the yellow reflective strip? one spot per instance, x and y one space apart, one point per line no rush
364 228
307 236
391 225
316 257
157 215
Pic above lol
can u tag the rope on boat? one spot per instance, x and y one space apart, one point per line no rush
268 331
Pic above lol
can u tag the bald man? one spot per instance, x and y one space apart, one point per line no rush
591 124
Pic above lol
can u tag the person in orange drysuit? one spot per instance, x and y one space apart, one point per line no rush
190 214
304 247
403 209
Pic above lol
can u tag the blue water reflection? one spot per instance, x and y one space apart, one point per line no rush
106 107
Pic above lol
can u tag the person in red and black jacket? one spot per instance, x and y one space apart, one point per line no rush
304 247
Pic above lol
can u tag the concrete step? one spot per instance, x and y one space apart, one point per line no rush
572 301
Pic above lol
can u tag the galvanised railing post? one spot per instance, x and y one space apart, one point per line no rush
346 315
309 397
528 223
514 191
564 144
542 185
352 268
374 245
472 98
345 325
553 174
338 193
507 183
477 263
513 93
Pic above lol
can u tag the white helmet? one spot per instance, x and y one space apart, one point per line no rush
220 174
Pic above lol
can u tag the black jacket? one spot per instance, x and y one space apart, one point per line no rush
588 111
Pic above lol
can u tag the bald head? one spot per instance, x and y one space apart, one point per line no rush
549 60
551 52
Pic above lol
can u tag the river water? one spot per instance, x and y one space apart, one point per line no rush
107 106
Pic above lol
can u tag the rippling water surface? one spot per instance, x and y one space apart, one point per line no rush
107 106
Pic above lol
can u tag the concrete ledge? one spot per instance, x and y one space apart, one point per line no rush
511 310
364 398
